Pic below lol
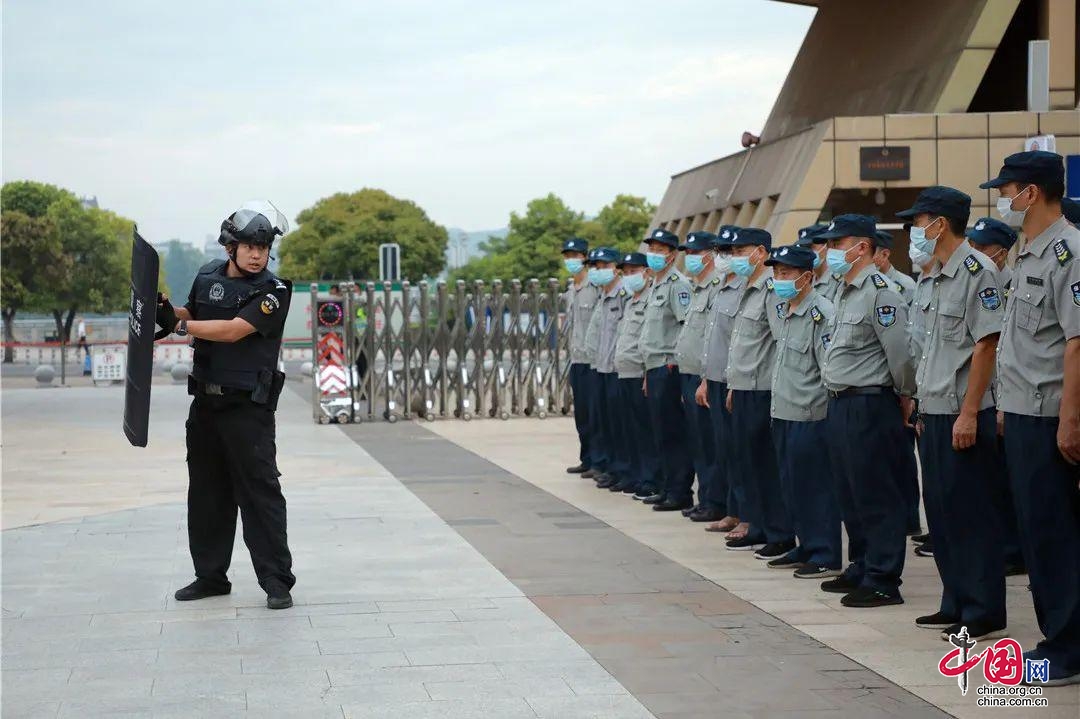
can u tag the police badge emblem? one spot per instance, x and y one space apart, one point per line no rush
990 298
269 304
886 315
780 310
1075 287
217 292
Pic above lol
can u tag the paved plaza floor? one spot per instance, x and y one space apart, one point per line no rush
444 570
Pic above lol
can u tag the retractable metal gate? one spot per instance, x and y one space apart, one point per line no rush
440 352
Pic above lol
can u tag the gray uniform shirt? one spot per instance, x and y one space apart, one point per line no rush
964 307
1005 275
828 285
580 302
917 316
690 346
718 331
628 360
801 334
606 317
1042 314
753 351
868 345
669 301
907 285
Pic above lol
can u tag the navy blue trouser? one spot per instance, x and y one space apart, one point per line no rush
866 439
964 519
909 474
1044 488
699 435
578 377
807 483
641 440
755 463
599 452
1010 534
727 481
612 428
669 426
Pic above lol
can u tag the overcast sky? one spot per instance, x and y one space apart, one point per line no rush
175 113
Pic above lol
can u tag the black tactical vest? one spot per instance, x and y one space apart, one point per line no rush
218 297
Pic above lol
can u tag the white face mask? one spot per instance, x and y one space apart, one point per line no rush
723 264
917 256
1011 217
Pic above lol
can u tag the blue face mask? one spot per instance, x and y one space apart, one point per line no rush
742 266
695 264
604 277
592 276
634 283
837 261
920 241
784 289
817 260
656 261
573 266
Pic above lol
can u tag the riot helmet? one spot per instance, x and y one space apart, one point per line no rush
256 222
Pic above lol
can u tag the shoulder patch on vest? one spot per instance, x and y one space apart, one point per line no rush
880 282
972 265
815 315
1062 252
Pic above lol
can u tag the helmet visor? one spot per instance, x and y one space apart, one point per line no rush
252 209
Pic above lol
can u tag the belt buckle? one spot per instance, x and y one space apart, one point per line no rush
214 389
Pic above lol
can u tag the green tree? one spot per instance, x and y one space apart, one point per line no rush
29 197
626 220
180 265
339 237
33 262
531 247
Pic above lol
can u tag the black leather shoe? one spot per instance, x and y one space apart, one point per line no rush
607 482
644 493
839 585
589 473
937 620
867 598
201 589
671 505
278 597
653 499
706 514
577 470
690 510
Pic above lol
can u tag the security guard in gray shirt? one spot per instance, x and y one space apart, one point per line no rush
605 324
883 261
868 372
957 443
602 454
749 373
646 477
799 402
994 239
580 301
668 304
712 391
910 471
826 283
689 353
1038 389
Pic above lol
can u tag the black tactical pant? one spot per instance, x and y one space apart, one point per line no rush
232 464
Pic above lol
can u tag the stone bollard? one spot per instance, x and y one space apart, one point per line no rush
167 366
306 369
179 373
45 374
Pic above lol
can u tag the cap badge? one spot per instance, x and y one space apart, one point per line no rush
980 226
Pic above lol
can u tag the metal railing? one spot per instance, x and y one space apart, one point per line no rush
465 351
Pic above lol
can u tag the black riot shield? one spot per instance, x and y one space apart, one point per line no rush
140 357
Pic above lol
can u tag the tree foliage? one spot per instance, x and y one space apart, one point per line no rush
532 247
180 265
339 237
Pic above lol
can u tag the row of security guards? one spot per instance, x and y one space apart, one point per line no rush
792 382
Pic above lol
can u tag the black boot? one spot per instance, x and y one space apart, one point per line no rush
277 596
201 589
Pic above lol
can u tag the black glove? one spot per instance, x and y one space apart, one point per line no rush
166 315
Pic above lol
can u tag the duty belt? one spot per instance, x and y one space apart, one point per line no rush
217 390
860 391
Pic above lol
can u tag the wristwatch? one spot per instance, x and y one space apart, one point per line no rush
181 329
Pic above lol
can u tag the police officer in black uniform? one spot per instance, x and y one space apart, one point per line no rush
236 314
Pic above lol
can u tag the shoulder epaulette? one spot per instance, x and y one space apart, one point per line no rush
768 283
212 266
1062 252
716 280
815 314
973 265
622 293
880 282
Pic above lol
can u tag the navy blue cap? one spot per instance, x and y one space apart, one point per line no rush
751 236
634 259
799 257
1036 167
575 244
606 254
850 226
940 200
724 234
988 231
590 257
809 235
664 238
883 238
1071 210
700 240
